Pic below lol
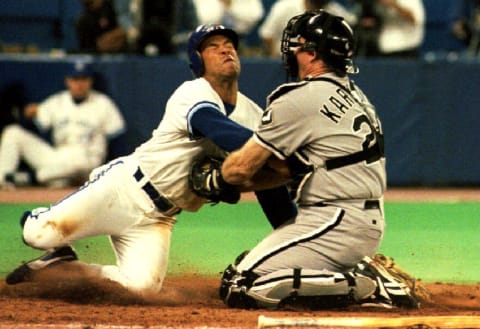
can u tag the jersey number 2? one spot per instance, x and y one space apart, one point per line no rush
374 134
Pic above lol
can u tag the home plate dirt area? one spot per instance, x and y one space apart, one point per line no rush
191 300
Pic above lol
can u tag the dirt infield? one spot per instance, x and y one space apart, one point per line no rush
189 301
185 302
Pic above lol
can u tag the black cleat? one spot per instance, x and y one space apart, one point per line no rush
24 272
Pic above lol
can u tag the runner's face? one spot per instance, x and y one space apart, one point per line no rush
220 57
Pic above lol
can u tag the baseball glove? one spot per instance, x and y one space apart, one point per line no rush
205 180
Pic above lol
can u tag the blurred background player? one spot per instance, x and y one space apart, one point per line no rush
82 122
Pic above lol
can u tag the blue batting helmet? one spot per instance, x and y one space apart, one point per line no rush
196 38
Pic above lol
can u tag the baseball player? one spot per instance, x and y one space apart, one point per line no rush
134 199
82 122
324 133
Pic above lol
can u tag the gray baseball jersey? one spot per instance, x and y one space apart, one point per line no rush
329 124
333 126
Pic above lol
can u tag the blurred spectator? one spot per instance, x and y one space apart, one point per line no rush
150 27
98 30
389 27
240 15
282 10
466 24
129 18
156 27
82 123
186 21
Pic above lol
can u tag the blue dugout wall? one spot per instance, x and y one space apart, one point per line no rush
429 108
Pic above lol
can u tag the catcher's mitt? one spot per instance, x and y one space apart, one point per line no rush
419 290
205 180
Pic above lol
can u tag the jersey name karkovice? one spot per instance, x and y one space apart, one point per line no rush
324 121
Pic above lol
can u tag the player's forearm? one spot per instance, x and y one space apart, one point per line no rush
267 179
263 180
240 166
253 168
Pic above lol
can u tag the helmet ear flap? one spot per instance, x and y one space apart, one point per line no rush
196 63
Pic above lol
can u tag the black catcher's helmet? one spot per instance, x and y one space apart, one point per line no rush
328 35
195 41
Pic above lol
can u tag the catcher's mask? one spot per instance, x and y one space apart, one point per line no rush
198 36
328 35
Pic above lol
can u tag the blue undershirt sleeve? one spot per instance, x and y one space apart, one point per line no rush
224 132
205 120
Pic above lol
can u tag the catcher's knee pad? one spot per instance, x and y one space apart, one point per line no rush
309 288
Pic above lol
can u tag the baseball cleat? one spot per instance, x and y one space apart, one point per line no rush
395 288
24 272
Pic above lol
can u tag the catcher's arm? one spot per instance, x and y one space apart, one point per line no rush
254 168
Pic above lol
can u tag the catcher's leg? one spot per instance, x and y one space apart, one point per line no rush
311 288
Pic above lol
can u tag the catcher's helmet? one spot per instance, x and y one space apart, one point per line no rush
196 38
328 35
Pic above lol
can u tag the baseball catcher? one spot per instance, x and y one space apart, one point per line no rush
327 135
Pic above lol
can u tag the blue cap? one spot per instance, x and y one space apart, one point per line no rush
80 69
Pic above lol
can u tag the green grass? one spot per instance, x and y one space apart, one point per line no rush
433 241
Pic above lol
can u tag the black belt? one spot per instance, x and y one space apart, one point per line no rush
161 202
369 204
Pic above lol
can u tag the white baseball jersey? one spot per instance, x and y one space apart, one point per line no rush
167 157
88 124
80 133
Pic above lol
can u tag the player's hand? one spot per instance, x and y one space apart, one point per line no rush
205 180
